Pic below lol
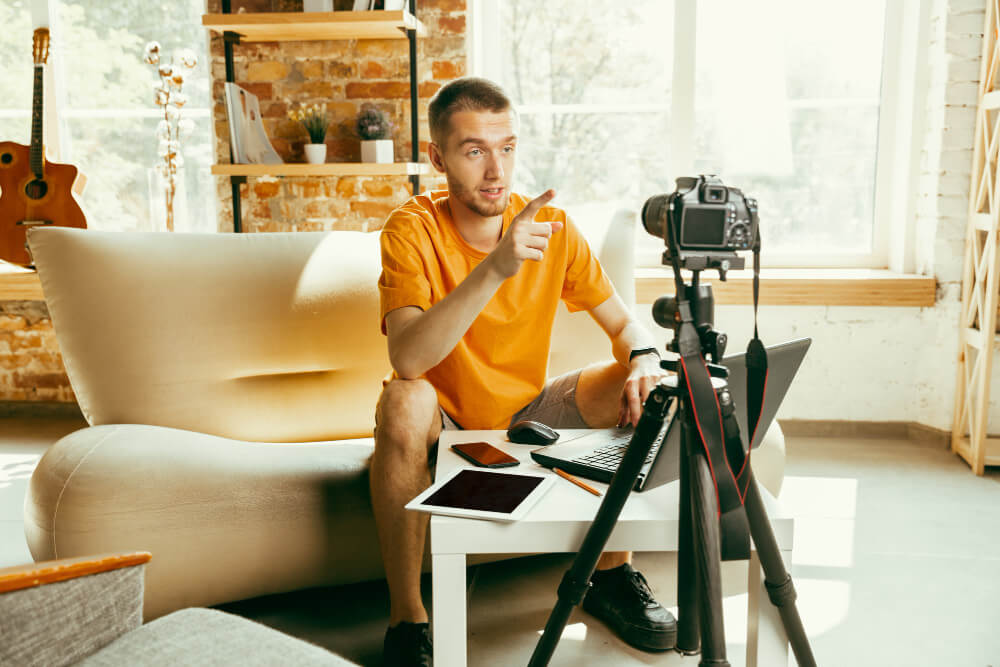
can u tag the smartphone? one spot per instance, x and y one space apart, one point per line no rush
484 454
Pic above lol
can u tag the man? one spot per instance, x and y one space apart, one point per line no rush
470 283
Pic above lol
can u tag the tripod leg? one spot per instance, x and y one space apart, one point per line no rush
776 578
706 541
688 636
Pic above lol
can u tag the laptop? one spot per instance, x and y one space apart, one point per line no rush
596 454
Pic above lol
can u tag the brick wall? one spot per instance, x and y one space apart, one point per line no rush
31 367
343 75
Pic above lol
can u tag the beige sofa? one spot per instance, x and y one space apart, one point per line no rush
230 382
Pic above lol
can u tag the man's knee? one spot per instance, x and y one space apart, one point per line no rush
408 413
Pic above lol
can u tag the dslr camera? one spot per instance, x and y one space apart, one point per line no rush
703 224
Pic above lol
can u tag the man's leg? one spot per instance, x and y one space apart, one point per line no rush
620 595
408 423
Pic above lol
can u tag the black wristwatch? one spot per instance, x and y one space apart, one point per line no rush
645 350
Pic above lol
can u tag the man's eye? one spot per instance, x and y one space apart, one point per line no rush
508 149
475 151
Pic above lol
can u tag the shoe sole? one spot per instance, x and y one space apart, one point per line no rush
646 640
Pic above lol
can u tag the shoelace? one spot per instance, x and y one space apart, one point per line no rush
641 587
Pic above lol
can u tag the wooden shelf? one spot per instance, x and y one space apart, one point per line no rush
312 26
327 169
19 284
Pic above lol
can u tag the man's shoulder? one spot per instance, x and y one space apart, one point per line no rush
417 213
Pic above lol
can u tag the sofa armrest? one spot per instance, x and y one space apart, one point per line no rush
59 612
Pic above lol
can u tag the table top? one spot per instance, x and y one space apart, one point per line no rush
560 519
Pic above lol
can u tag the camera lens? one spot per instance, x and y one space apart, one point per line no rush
654 215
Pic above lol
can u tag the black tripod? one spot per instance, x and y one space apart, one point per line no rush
699 588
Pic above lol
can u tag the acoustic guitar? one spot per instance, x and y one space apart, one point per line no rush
34 191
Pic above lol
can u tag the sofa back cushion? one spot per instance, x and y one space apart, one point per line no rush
267 337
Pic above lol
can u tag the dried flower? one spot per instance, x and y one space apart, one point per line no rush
152 55
188 58
167 94
373 123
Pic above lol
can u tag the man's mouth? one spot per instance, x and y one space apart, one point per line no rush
491 193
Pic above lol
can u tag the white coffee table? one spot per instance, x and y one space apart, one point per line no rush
558 523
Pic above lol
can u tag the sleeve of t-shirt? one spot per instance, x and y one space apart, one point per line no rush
403 281
586 286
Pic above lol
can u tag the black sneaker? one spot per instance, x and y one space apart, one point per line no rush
621 598
408 645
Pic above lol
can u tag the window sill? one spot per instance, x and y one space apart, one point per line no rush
801 287
19 284
779 287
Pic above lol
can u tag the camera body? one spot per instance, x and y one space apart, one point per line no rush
703 223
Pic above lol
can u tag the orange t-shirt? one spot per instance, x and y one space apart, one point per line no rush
500 364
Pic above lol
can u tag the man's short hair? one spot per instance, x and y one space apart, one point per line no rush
465 94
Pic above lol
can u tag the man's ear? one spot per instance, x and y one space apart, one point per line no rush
436 156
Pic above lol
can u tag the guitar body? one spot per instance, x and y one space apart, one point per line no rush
27 201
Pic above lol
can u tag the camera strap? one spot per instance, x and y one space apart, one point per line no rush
717 438
756 363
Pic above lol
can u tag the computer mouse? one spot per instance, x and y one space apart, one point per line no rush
527 432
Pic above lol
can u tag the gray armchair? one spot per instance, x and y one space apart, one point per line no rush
88 611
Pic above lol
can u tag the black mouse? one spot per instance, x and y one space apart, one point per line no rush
531 433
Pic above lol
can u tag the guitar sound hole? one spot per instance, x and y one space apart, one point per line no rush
7 158
36 189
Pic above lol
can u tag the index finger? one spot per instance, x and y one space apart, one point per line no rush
536 204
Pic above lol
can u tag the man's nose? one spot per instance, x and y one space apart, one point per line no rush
494 167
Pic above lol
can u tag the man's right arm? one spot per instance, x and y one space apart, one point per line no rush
419 341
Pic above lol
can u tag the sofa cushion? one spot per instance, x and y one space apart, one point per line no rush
206 637
268 337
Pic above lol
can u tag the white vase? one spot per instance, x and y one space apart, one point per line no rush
315 153
376 150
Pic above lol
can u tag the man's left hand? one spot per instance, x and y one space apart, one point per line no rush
644 374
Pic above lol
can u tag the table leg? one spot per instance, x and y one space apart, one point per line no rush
449 617
767 643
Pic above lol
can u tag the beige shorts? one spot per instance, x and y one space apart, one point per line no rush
555 407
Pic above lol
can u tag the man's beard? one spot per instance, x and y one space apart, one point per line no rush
469 198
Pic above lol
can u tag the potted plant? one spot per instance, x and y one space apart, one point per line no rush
315 120
374 128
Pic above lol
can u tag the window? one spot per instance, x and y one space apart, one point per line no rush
780 98
102 93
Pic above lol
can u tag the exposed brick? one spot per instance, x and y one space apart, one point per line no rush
347 186
452 24
377 189
261 209
264 189
307 188
443 5
372 209
309 69
371 69
380 48
445 70
369 90
311 90
263 91
340 70
428 88
271 70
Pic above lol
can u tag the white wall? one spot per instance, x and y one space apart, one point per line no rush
896 364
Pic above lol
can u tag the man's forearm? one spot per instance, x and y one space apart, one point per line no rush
633 336
427 339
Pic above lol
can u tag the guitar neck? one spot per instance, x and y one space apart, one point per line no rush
36 124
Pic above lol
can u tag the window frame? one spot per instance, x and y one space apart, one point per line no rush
56 110
900 127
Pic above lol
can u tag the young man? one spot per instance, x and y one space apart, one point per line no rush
470 283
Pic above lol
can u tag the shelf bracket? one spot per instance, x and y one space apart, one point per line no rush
230 37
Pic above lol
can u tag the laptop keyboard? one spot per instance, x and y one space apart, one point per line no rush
609 456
